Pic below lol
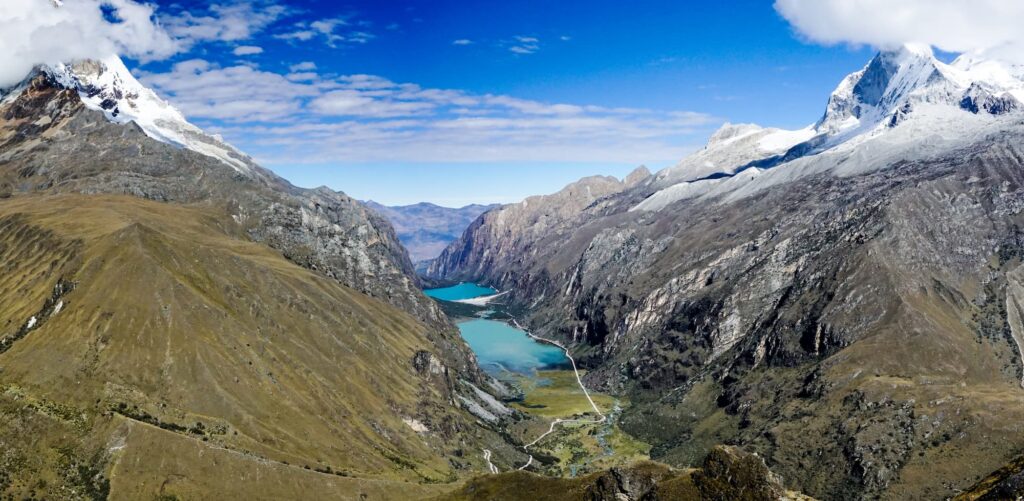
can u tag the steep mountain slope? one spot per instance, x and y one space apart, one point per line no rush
91 128
1005 483
164 293
135 326
842 300
426 229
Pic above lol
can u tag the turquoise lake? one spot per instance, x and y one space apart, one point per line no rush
460 292
499 346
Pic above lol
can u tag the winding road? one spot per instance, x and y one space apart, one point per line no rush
556 422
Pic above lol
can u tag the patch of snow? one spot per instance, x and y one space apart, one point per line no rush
729 149
58 307
31 323
416 426
675 193
782 140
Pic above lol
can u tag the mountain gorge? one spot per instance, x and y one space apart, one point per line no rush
180 298
841 299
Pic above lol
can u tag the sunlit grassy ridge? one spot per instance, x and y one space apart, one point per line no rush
183 340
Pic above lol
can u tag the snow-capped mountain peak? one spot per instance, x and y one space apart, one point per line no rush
894 83
106 85
873 94
898 99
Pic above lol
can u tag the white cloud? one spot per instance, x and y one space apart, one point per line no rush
230 22
330 30
463 41
951 25
248 50
353 103
309 118
300 35
34 32
591 138
302 76
303 66
525 45
204 90
327 26
360 37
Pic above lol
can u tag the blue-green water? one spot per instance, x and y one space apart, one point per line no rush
499 346
459 292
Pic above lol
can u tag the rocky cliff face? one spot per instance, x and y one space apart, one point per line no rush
842 300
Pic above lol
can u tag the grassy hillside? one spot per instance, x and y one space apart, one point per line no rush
148 349
726 474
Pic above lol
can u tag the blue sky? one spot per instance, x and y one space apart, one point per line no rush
458 102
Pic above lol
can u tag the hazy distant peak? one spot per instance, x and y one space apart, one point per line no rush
637 176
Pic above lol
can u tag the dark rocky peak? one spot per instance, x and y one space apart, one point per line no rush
876 78
979 98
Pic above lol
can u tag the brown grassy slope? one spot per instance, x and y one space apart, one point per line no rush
176 322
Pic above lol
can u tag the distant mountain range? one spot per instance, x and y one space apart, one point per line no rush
426 229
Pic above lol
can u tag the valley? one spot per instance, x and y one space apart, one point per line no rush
426 229
571 432
831 299
248 251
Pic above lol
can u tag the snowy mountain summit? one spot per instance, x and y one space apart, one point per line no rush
903 100
887 91
106 85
